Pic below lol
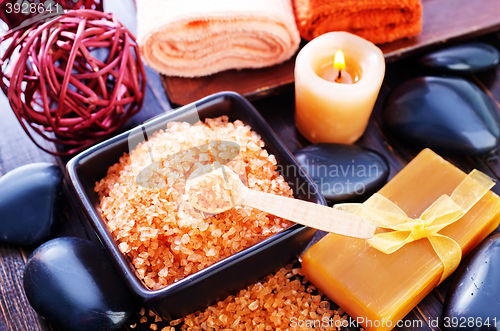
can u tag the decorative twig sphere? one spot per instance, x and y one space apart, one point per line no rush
73 80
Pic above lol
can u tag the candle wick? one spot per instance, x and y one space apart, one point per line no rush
340 74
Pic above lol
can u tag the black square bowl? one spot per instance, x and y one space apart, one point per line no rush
229 275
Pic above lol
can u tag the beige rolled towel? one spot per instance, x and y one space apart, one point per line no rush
190 38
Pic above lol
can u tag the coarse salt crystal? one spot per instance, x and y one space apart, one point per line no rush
185 238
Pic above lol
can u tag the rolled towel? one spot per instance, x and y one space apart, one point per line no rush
379 21
190 38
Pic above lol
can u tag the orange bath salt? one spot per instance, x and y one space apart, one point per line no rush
280 302
156 226
379 289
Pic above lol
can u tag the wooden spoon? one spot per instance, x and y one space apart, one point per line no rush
221 189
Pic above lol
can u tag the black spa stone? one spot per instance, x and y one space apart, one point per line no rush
343 172
448 115
28 203
473 300
73 284
466 58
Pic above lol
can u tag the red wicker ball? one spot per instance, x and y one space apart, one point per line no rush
74 80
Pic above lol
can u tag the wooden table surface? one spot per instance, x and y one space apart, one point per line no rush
441 22
16 150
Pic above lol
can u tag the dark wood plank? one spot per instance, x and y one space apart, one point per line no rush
15 311
442 22
490 83
16 149
125 13
279 112
251 83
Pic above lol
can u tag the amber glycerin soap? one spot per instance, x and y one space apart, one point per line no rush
378 289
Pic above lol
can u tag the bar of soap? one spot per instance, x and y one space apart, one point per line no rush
379 289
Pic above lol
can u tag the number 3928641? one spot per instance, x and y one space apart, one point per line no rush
27 8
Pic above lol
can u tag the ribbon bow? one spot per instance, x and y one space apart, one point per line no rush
443 212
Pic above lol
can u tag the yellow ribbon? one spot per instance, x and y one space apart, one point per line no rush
443 212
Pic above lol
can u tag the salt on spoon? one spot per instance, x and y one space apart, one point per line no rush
219 189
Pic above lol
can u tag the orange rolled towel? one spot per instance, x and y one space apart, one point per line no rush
379 21
190 38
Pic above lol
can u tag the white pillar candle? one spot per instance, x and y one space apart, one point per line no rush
332 110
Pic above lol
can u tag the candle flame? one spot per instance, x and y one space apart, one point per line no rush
339 62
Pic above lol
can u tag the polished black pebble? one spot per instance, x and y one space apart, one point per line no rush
28 203
466 58
73 284
343 172
473 300
449 115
